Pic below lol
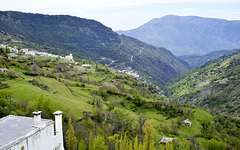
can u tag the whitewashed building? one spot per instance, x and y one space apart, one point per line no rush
26 133
165 140
4 70
187 122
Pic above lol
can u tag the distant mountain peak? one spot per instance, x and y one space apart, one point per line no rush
187 35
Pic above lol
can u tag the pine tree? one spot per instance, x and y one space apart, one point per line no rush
70 138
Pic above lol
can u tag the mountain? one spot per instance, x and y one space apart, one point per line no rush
84 38
197 60
187 35
212 85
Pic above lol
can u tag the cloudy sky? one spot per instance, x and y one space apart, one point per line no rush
127 14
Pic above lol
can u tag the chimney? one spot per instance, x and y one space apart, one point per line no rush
58 126
37 117
58 121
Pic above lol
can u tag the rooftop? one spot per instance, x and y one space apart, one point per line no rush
16 128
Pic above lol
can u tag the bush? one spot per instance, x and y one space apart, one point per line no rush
138 100
214 144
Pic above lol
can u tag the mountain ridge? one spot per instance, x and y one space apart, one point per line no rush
184 35
63 34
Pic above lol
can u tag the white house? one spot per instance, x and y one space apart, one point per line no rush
86 65
4 70
187 122
69 57
26 133
165 140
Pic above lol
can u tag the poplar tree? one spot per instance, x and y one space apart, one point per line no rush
130 145
82 145
91 142
136 143
148 141
70 138
96 65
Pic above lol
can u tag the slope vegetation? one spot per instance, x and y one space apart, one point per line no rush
108 107
214 85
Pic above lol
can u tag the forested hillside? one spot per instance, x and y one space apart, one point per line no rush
213 85
105 109
85 39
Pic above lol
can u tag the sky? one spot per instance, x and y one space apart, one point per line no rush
127 14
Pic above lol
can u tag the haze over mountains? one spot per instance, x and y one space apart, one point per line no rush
187 35
84 38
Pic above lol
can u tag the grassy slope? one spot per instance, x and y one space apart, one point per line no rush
74 100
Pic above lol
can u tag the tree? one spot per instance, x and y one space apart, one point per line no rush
96 65
169 146
106 68
70 137
83 61
82 145
12 73
44 104
148 141
5 97
214 144
34 68
99 143
138 100
89 61
136 143
91 142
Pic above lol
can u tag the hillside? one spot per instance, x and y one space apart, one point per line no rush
213 85
115 108
85 39
188 35
197 60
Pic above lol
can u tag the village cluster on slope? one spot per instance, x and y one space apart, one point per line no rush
34 53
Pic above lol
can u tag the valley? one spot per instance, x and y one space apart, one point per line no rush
117 92
101 101
85 38
213 85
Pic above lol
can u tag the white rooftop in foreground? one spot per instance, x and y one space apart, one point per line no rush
17 132
13 129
